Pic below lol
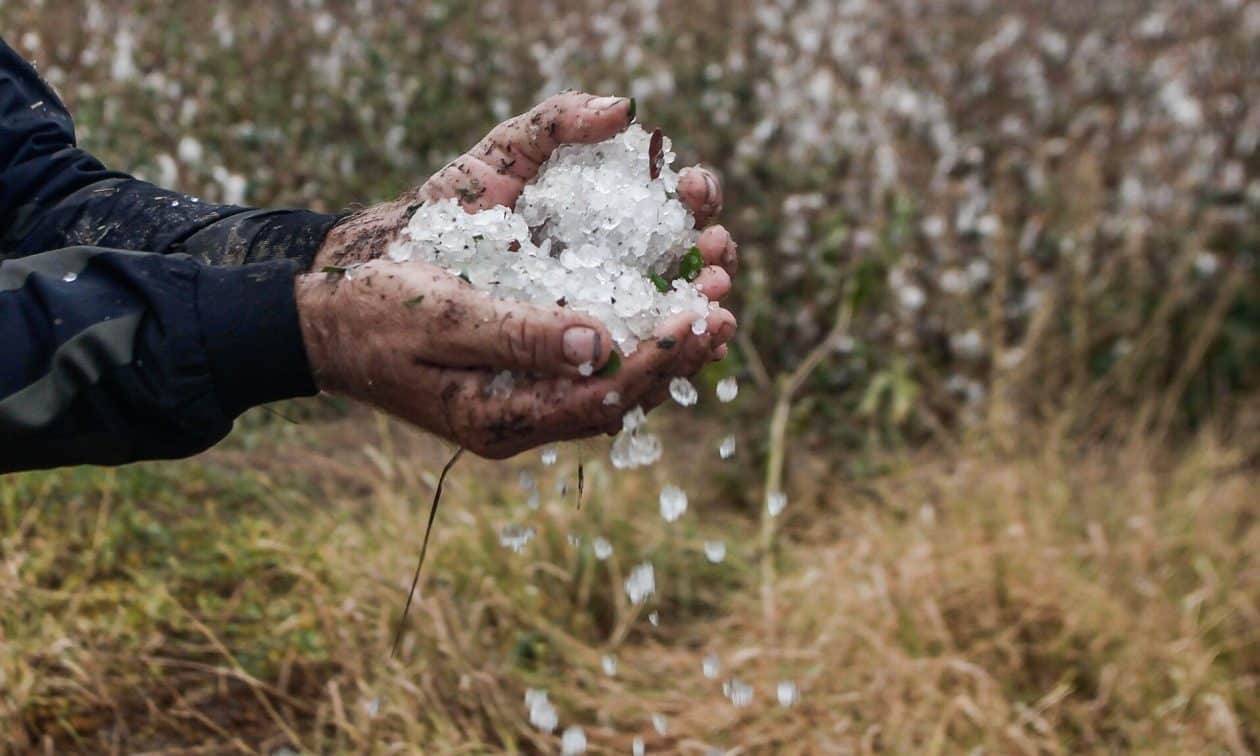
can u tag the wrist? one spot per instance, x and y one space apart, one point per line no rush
363 235
313 296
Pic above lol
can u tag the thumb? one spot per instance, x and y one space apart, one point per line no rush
473 329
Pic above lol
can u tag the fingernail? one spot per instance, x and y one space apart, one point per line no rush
728 256
581 345
600 104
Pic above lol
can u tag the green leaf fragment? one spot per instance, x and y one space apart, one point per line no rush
691 265
414 301
612 366
660 283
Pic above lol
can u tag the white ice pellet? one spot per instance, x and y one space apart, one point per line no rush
660 723
711 666
549 455
573 743
715 551
727 389
502 385
590 230
602 548
586 368
654 618
612 398
70 277
542 714
641 584
787 693
740 693
683 392
726 449
515 537
776 501
609 663
636 747
699 326
673 503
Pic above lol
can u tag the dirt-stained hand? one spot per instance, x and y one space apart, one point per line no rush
425 346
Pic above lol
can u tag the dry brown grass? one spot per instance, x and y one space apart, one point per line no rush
1047 601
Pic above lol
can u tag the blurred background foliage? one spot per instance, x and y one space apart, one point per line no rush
1027 208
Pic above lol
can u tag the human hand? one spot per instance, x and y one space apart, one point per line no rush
496 170
422 344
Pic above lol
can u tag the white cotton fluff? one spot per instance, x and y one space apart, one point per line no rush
590 231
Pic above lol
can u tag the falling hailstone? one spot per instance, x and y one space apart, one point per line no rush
660 723
787 693
673 503
641 584
549 455
727 390
711 666
637 747
634 446
574 741
515 537
609 663
726 449
715 551
70 277
683 392
542 714
602 548
776 501
740 693
655 618
594 229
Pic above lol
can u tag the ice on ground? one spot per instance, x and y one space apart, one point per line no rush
550 454
542 714
655 618
787 693
609 663
637 748
711 666
727 390
715 551
660 723
573 743
683 392
641 584
594 230
673 503
726 449
739 692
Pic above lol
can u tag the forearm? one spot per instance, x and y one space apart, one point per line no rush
113 357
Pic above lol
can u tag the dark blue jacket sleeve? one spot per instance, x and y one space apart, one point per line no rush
53 194
113 356
110 353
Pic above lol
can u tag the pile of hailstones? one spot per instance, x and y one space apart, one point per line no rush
601 230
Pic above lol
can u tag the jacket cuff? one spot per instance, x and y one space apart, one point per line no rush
253 338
